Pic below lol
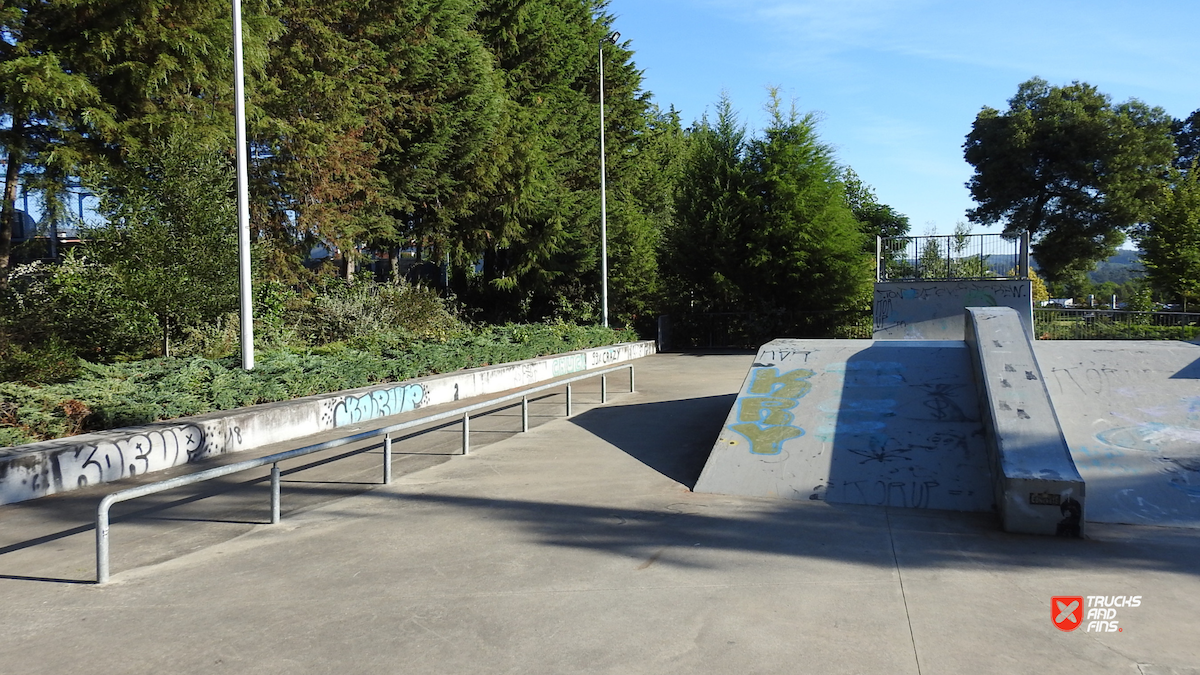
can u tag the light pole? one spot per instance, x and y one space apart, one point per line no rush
243 193
611 38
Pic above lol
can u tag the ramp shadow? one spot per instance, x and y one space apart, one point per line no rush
1188 372
671 437
907 430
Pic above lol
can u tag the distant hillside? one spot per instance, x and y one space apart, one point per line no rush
1122 267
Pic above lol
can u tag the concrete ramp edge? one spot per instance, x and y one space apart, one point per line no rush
1038 488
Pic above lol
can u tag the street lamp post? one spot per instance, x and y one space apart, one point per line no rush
243 193
611 38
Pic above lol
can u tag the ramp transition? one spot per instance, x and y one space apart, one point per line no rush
886 423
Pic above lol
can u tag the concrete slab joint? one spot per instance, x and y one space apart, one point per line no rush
40 469
1038 489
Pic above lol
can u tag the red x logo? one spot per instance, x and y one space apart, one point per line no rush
1066 612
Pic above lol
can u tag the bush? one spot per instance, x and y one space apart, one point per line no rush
106 396
51 361
79 302
364 309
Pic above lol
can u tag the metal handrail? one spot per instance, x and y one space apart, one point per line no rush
102 518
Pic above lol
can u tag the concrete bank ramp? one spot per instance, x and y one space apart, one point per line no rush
1130 412
893 423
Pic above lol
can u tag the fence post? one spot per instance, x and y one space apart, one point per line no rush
1024 254
878 258
466 431
275 494
387 459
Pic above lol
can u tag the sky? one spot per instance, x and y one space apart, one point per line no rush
898 83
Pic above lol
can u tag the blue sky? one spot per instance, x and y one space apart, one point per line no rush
897 83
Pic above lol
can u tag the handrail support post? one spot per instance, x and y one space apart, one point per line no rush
275 494
466 434
387 459
102 544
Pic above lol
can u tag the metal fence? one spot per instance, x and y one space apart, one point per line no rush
463 412
1105 324
751 330
952 257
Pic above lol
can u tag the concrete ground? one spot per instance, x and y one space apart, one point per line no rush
578 547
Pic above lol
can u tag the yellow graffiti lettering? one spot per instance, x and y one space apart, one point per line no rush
791 384
766 409
766 440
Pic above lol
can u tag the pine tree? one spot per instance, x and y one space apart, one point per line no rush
807 247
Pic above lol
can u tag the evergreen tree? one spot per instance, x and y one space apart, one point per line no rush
704 254
807 248
378 118
91 81
876 219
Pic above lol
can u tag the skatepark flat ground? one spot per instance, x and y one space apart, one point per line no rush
578 547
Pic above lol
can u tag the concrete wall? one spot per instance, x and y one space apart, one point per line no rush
39 469
933 310
856 421
1130 411
1038 489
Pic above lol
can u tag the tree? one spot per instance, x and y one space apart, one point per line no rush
762 224
1039 290
377 118
807 248
946 257
171 237
704 254
1187 140
43 101
1171 243
1071 168
876 219
88 82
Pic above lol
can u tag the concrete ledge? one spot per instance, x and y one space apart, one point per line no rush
932 310
1038 489
40 469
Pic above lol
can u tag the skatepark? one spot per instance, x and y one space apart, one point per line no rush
592 544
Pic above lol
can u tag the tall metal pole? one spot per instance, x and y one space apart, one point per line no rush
603 202
243 193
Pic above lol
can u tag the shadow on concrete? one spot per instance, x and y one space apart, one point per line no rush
244 497
671 437
840 533
907 431
1188 372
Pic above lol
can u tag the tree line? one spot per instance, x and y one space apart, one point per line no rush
465 132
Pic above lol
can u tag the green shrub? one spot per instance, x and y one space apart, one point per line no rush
51 361
105 396
79 302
